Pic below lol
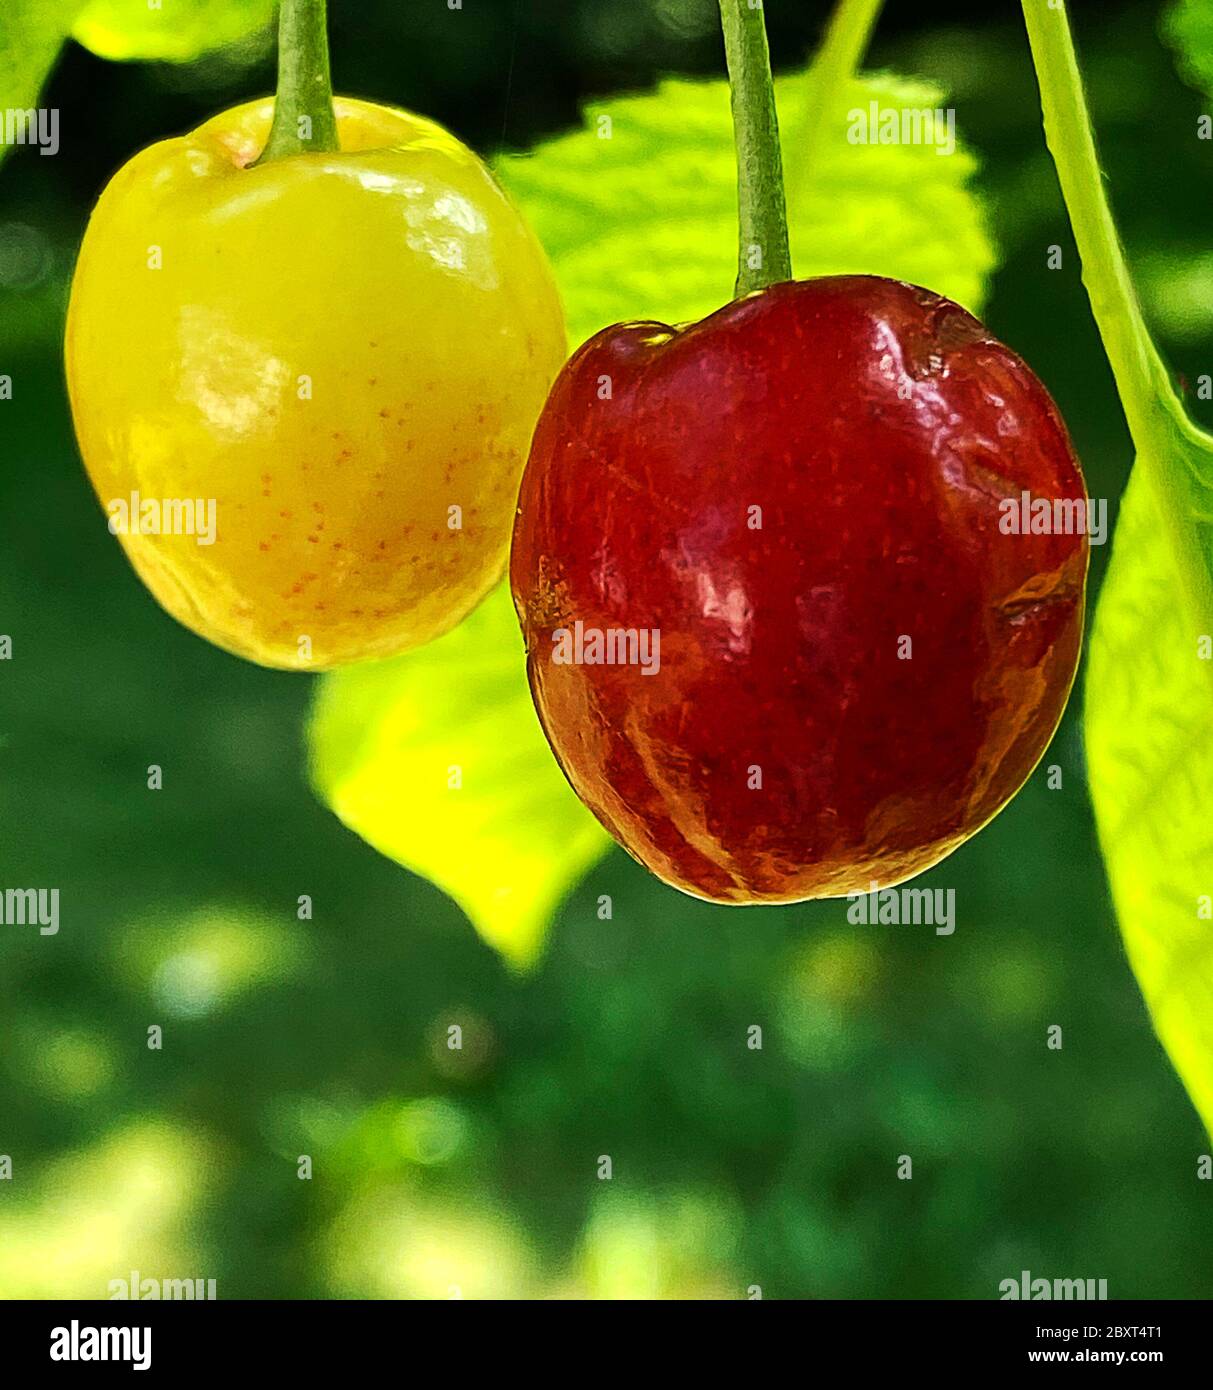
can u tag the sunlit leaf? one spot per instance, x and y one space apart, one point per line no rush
1149 735
437 759
172 31
31 34
638 210
1149 684
33 31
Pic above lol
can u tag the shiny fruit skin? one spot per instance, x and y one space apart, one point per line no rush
878 427
394 276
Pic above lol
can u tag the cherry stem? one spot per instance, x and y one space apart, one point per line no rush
304 121
763 257
1141 377
1172 451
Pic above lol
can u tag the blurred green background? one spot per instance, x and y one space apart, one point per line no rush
477 1171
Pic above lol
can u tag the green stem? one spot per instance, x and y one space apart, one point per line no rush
304 121
837 60
1175 455
763 257
1141 377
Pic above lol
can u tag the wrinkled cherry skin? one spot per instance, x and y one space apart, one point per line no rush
878 427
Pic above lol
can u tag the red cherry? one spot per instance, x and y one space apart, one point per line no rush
860 656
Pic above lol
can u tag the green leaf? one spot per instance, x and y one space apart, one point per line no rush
507 842
642 224
176 31
1188 27
638 210
33 31
1149 737
31 35
1149 687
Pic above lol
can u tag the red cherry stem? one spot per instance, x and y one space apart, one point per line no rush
304 121
763 257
